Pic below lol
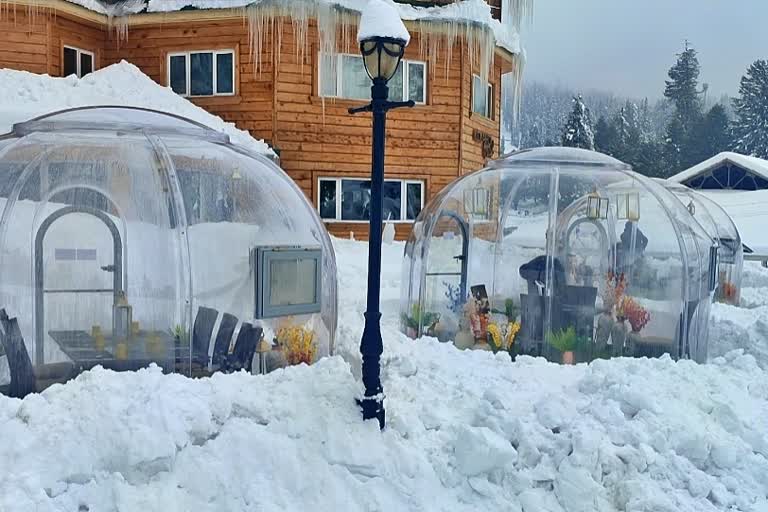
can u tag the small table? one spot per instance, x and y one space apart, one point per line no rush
80 346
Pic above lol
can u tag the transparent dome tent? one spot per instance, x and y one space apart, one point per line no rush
130 237
561 253
720 226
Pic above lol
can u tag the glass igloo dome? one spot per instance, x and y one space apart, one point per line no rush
561 253
130 237
720 226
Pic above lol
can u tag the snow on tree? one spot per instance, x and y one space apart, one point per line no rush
751 125
605 136
578 132
681 89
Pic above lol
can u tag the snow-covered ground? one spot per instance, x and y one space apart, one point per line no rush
466 430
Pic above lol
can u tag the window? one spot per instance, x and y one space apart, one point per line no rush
348 199
205 73
77 62
287 280
344 76
482 97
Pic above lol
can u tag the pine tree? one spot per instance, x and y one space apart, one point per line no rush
578 132
605 136
751 126
680 147
681 88
712 134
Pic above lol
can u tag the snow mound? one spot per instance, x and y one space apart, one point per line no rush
467 431
28 95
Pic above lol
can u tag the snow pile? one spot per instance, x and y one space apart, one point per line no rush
744 327
27 95
749 211
381 19
467 431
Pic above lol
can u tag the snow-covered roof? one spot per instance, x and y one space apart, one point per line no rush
756 165
381 19
471 12
28 95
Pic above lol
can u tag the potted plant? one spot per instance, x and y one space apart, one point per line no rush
417 319
564 341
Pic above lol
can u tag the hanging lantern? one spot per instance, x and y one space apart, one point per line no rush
597 207
628 206
477 202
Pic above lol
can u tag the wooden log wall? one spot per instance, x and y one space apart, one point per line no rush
33 39
279 102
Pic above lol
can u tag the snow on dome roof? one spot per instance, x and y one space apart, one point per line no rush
30 96
550 155
381 19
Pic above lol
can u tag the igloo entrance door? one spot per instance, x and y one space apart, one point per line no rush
76 268
446 277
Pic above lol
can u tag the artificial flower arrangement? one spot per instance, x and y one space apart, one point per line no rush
636 314
502 337
615 286
298 344
728 292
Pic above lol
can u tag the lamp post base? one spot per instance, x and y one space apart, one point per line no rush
371 347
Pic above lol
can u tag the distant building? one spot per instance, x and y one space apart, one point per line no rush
726 171
288 70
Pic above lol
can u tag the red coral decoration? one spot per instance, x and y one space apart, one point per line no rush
636 314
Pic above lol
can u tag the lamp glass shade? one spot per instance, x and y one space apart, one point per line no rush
382 57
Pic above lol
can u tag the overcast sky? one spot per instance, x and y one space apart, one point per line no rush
627 46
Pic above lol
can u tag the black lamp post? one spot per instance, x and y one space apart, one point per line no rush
381 56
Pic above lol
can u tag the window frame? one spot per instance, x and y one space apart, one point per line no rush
339 77
187 54
488 98
78 62
404 182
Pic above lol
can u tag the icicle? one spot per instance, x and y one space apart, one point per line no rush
518 63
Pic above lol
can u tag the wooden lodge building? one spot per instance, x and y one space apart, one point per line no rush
288 70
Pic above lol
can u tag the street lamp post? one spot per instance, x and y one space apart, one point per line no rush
381 56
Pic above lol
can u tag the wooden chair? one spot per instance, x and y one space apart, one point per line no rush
223 339
201 335
23 381
245 348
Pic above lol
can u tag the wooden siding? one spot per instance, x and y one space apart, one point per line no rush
252 105
279 102
24 40
34 41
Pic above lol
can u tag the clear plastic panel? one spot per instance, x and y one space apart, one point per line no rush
233 204
89 255
719 226
571 256
118 224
